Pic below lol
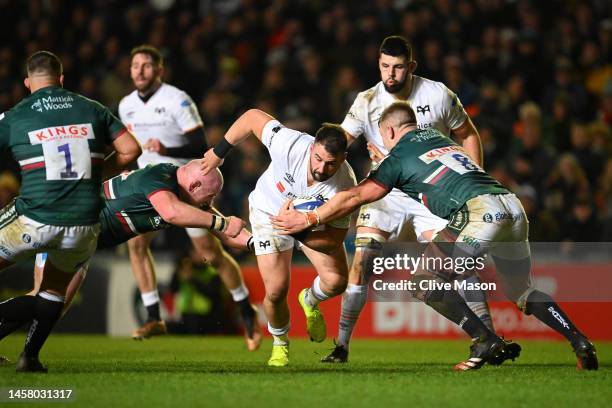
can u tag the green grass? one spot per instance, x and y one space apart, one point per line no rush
219 372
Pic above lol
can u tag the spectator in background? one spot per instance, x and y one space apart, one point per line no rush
590 160
604 200
531 162
543 225
565 185
565 83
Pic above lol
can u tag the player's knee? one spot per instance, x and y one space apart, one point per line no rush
138 246
334 284
277 295
210 250
370 247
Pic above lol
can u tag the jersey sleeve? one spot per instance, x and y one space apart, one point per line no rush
452 110
388 174
347 181
159 177
354 121
5 132
283 143
185 113
112 124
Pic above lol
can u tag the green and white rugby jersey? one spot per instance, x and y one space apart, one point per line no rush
59 139
127 210
435 171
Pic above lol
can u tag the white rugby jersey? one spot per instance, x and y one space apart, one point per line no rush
166 116
434 105
287 175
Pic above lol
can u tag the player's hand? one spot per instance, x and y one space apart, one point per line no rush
234 226
154 145
289 221
210 161
375 154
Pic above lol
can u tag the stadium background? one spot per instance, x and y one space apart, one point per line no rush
536 77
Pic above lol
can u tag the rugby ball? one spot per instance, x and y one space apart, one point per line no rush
307 203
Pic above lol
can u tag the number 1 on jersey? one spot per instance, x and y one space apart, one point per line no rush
68 174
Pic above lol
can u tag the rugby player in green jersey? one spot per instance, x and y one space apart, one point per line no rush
434 170
149 199
60 140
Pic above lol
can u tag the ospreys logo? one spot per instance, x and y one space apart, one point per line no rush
423 109
264 244
160 111
365 216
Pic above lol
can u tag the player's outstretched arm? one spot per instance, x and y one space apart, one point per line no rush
241 241
176 212
126 151
470 140
252 121
290 221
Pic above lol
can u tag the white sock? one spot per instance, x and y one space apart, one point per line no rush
353 301
314 295
279 336
477 302
239 293
150 298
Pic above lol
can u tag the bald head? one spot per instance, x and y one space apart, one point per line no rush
198 187
398 114
395 121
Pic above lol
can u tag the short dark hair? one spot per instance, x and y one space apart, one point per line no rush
150 51
332 138
409 117
396 46
45 63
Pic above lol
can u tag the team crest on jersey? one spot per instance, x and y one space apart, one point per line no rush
423 109
160 111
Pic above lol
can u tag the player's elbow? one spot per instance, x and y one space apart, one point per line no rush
170 214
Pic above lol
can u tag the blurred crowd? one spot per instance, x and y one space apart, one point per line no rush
535 76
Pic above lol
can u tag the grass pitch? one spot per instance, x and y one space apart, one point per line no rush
219 372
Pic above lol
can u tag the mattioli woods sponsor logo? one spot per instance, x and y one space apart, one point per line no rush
52 103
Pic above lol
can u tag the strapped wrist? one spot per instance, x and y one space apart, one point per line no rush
223 148
218 223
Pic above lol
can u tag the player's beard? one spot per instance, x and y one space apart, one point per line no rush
319 176
148 87
396 87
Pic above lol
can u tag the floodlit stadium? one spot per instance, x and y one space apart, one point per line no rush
297 203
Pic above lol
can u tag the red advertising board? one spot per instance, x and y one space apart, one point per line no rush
416 320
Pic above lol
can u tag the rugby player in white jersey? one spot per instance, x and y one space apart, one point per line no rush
301 166
167 123
387 219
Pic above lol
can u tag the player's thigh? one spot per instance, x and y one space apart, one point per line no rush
19 237
76 247
266 239
275 271
332 267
